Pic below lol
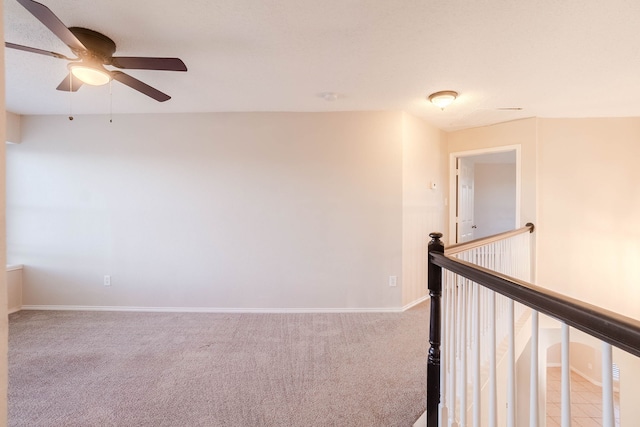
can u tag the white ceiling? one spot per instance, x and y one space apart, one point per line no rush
569 58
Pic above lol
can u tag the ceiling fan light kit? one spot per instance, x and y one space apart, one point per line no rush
95 50
89 74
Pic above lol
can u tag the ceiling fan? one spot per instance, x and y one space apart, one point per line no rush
93 51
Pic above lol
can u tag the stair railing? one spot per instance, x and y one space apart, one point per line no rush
477 284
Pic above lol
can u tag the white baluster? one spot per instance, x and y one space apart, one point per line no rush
511 374
608 419
533 387
476 356
566 379
453 355
493 395
463 357
444 345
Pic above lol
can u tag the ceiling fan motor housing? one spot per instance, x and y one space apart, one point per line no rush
99 47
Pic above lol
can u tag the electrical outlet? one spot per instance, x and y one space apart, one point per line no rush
393 280
107 280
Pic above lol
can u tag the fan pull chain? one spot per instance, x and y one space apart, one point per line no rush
70 95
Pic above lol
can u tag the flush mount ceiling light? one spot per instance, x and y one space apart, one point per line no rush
443 98
329 96
90 74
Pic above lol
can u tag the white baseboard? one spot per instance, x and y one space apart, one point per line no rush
414 303
586 377
14 310
209 309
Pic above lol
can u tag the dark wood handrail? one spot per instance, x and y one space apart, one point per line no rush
618 330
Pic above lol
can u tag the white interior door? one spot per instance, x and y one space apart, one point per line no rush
465 223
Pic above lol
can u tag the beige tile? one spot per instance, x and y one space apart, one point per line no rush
587 397
577 412
551 422
578 378
591 396
553 410
554 374
556 420
586 422
553 396
554 385
581 386
586 401
581 397
592 410
592 387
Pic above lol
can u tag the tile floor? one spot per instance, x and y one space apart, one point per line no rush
586 401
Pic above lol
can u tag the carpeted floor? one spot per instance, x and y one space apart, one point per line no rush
196 369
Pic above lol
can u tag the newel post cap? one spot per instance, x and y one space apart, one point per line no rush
436 245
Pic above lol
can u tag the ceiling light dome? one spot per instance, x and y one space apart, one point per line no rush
90 74
443 98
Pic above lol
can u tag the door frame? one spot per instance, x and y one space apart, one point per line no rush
453 157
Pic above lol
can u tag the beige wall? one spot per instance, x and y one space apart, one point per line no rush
584 358
585 174
4 324
14 288
519 132
588 234
424 160
14 133
264 210
589 205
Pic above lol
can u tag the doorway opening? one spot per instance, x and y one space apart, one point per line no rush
484 192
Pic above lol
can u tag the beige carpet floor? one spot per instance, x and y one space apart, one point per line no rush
196 369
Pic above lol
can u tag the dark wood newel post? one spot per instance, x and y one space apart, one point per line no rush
433 362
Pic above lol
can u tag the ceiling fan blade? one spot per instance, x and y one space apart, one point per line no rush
140 86
36 50
51 21
145 63
70 83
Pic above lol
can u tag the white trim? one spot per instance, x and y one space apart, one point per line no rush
14 310
208 309
586 377
13 267
452 182
414 303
